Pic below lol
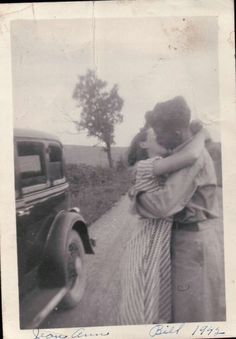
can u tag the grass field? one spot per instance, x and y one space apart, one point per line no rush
91 155
94 186
95 189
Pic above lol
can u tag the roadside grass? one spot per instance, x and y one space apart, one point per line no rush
95 189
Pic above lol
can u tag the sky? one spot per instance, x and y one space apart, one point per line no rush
151 60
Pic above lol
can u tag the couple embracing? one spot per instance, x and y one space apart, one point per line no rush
171 268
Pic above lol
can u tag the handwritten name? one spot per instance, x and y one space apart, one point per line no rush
165 329
78 333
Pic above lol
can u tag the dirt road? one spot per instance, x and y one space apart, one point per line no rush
99 304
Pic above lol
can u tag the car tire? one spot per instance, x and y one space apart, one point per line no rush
76 272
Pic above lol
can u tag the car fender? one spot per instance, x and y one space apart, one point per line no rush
52 270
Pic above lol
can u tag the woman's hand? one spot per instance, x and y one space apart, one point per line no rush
196 126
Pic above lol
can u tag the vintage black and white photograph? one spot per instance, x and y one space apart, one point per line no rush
118 171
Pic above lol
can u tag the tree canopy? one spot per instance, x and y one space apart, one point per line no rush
100 109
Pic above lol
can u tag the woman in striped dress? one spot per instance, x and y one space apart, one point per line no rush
145 266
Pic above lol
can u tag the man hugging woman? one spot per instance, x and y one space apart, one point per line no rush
171 269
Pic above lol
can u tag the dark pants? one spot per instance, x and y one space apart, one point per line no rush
198 274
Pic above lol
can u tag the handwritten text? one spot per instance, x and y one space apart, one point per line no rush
165 329
78 333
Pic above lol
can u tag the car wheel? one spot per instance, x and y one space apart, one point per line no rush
76 273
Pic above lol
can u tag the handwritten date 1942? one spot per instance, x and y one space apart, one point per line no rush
207 330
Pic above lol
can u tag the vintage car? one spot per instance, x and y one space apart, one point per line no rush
52 236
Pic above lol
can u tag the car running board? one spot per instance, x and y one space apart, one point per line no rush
37 305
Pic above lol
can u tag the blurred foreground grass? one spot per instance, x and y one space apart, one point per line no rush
95 189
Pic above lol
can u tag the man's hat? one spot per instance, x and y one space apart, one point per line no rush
174 113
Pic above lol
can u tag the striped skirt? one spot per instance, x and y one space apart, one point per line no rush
146 275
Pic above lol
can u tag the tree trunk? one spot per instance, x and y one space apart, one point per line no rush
110 162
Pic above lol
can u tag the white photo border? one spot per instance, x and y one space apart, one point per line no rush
113 9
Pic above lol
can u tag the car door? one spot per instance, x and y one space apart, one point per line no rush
38 199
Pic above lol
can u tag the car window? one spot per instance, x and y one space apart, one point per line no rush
31 163
55 162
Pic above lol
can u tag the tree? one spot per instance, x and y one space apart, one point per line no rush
101 109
